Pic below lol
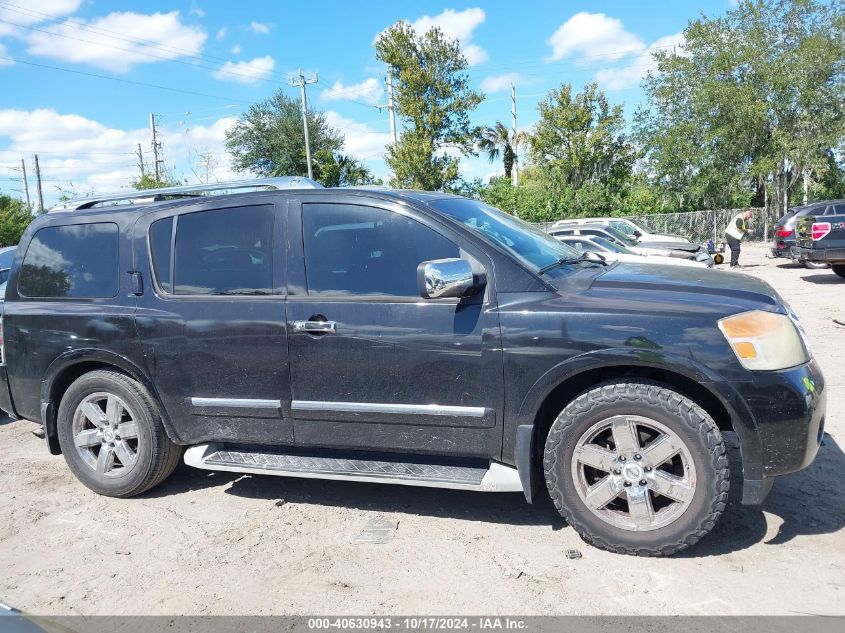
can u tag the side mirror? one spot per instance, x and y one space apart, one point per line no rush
442 278
637 234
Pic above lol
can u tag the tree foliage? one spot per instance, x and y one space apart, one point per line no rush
338 170
148 181
433 100
14 218
269 139
753 101
498 141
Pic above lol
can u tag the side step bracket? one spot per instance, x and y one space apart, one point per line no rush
495 478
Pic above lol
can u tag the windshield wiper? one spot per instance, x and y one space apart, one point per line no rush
581 259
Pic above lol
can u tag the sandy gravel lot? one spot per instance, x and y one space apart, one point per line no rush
209 543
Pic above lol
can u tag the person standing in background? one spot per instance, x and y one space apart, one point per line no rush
735 232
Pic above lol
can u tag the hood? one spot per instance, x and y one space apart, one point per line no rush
711 286
659 237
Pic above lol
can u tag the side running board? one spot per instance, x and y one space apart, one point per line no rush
495 478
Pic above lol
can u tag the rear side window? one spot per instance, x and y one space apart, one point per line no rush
222 252
161 232
71 261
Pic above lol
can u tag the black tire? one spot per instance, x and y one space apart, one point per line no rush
156 456
682 416
718 258
815 265
839 269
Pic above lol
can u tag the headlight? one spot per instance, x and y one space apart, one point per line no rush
764 340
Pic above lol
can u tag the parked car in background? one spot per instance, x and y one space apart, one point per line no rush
401 337
820 239
626 226
695 252
7 257
613 252
784 238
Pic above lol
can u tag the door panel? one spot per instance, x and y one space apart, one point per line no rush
397 372
217 347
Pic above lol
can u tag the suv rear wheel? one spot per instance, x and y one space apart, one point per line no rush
839 269
637 468
112 437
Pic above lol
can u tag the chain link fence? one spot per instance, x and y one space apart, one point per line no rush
700 226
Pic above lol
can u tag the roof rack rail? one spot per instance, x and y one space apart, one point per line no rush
283 182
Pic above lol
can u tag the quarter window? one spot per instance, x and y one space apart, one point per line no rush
358 250
221 252
71 261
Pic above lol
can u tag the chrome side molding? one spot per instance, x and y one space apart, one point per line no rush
236 403
397 409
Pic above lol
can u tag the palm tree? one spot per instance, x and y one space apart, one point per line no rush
498 141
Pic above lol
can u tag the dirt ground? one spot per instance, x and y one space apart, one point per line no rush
221 543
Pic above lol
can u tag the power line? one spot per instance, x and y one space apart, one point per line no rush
116 35
125 81
216 69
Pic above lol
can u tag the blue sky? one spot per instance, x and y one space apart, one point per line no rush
211 59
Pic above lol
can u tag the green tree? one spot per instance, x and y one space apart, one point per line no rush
148 181
14 218
269 139
579 141
499 141
337 170
750 105
433 99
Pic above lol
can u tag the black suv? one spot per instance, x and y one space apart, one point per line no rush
401 337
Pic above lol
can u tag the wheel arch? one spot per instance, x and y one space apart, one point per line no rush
68 367
556 389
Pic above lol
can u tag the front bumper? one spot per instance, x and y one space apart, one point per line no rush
788 408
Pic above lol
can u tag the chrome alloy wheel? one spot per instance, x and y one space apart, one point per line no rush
633 472
105 434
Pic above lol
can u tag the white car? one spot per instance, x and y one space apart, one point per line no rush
614 253
628 227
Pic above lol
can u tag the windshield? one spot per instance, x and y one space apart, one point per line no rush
535 248
619 236
615 248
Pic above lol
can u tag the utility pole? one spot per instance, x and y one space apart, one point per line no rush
38 184
391 108
515 169
140 160
301 81
25 186
156 148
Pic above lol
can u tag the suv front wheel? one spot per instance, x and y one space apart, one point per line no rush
637 468
112 437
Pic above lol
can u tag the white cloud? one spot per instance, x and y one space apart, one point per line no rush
195 9
262 28
251 72
221 33
236 49
498 83
593 35
458 25
632 73
97 48
5 53
45 8
368 91
362 141
100 158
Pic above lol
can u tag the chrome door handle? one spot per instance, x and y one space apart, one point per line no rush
315 327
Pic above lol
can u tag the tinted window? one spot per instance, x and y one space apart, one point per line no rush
225 252
356 250
71 261
160 242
